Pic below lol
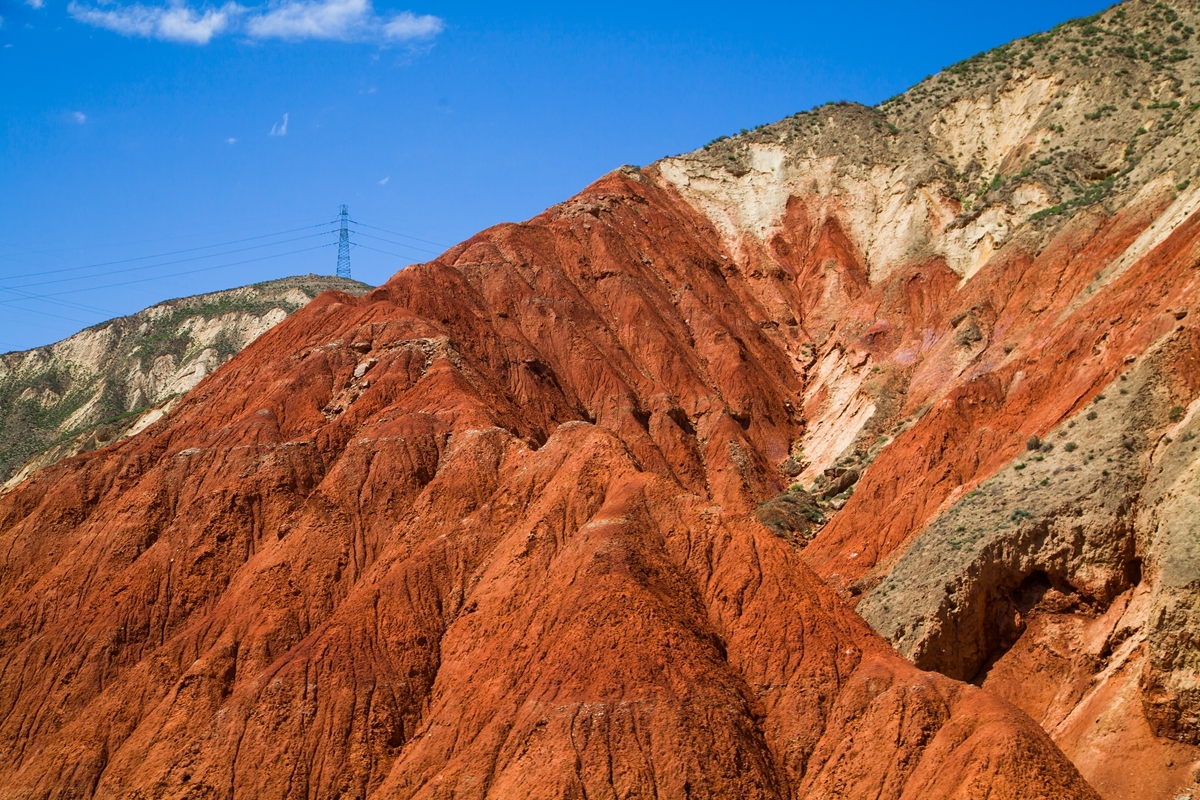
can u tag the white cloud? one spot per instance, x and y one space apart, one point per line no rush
231 140
174 23
280 128
407 26
35 3
341 20
332 19
289 20
385 180
79 117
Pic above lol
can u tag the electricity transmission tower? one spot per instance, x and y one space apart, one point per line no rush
343 268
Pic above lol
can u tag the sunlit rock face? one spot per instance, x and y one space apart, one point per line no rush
849 457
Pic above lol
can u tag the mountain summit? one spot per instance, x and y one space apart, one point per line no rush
849 457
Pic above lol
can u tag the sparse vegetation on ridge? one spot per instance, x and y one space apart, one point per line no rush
1097 140
48 401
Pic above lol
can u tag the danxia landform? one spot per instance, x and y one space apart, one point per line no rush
853 456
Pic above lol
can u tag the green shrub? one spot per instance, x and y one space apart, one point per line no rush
1103 111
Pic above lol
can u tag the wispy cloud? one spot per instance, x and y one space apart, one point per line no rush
231 140
35 3
341 20
385 180
174 23
407 26
280 128
79 117
286 20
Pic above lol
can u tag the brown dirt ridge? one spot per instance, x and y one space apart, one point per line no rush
703 483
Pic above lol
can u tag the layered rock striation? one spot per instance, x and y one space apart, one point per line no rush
584 506
486 531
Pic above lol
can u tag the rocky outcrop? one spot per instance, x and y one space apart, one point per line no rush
486 531
582 506
115 378
1066 582
953 273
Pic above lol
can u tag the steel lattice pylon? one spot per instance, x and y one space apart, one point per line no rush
343 267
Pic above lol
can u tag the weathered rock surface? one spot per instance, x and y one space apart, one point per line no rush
515 524
934 387
955 272
520 562
119 376
1066 582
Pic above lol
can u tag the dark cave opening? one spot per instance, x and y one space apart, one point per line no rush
1006 616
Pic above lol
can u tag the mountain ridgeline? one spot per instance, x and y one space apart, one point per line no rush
853 456
115 377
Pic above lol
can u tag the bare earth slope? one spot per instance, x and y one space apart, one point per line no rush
962 269
116 377
484 532
582 507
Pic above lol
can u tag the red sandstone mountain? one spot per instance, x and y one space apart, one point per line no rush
518 523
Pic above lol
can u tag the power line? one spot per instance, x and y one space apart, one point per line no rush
185 250
385 252
50 297
173 275
64 303
48 314
168 263
397 233
398 244
209 232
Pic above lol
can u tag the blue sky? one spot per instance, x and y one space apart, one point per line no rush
138 130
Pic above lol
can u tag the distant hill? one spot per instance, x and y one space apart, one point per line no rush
116 377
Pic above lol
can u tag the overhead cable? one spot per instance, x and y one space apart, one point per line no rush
397 233
398 244
173 275
385 252
178 252
168 263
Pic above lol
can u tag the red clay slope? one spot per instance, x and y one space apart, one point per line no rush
482 533
1052 346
